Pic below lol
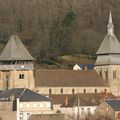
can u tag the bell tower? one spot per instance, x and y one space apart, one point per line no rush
16 66
108 59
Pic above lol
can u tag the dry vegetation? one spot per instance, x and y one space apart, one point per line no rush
51 28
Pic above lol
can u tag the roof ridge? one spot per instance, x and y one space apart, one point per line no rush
23 92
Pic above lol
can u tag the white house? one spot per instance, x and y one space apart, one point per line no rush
77 67
21 103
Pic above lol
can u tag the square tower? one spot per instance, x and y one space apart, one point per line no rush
16 66
108 59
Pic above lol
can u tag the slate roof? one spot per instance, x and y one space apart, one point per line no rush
110 45
25 95
86 99
115 104
108 59
109 50
15 50
68 78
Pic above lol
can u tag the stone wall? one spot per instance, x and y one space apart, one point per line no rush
69 90
113 77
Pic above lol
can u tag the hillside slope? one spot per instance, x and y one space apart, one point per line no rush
58 27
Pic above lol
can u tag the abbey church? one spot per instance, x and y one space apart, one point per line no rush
17 70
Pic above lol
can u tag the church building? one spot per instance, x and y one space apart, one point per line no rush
108 60
17 67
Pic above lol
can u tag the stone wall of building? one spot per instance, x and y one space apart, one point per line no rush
6 111
104 110
110 74
70 90
11 79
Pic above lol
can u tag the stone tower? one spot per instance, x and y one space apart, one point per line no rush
108 59
16 66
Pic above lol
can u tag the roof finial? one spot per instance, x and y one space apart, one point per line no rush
110 25
110 17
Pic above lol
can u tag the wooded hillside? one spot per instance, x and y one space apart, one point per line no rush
58 27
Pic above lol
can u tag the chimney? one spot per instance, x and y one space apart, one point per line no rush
66 101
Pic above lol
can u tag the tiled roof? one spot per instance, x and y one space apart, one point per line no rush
15 50
68 78
25 95
115 104
86 99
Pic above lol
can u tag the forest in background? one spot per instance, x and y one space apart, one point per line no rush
52 28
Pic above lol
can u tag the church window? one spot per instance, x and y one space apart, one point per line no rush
114 74
21 76
84 90
95 90
61 90
106 74
100 73
50 91
73 91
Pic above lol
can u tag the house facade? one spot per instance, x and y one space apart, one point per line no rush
109 108
21 103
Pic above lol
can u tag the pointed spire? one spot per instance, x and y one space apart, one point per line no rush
110 17
110 25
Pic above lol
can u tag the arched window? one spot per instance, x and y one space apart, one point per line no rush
100 73
95 90
50 91
84 90
61 90
114 74
73 91
106 74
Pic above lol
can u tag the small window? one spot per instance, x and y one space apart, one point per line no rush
21 105
88 110
84 90
21 116
100 73
95 90
114 74
28 105
34 105
50 91
73 91
106 74
61 91
21 76
41 105
48 105
28 116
